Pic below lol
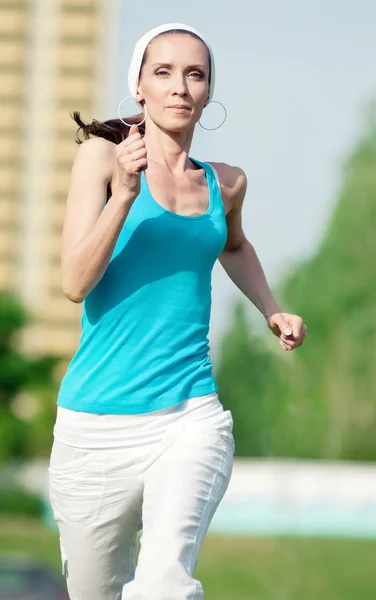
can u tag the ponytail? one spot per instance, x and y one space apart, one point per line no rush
113 130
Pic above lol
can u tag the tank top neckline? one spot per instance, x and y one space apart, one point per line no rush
178 215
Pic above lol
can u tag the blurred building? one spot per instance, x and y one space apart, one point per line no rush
56 56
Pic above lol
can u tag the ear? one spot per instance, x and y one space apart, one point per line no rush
139 94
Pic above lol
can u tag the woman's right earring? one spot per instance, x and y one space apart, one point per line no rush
129 124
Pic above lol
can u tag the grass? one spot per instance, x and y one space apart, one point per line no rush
288 569
233 568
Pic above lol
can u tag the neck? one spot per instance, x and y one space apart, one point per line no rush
168 148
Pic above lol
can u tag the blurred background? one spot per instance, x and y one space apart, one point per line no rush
299 84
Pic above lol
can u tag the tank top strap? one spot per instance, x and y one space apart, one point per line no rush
213 181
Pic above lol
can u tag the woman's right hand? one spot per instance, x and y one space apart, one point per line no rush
131 159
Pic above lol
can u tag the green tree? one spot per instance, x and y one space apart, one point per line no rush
320 401
336 292
21 378
250 383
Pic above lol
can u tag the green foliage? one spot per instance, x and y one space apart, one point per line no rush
18 502
335 291
320 401
23 378
245 372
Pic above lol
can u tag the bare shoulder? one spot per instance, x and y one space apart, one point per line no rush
233 181
97 145
96 153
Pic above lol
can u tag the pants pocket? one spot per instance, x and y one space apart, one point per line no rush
76 484
67 466
209 433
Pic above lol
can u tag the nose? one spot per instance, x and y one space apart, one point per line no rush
179 85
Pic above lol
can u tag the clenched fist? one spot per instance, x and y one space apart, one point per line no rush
131 159
289 328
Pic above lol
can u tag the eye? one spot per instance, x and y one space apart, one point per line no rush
197 75
162 72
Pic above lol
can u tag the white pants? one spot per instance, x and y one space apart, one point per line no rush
111 476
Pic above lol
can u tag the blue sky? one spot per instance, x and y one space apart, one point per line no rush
295 78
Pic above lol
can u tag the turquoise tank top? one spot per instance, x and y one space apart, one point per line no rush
144 342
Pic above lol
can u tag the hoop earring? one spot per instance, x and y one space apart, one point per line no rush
125 123
225 117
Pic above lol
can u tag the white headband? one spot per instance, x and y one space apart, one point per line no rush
139 51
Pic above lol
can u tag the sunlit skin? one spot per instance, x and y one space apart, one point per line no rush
173 90
174 74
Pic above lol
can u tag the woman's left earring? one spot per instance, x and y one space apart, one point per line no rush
224 117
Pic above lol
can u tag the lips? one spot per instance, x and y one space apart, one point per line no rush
181 107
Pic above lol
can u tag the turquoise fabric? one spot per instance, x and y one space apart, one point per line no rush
144 342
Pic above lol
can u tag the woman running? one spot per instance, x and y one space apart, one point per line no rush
141 440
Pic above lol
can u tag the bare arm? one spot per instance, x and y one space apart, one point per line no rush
91 229
239 258
242 265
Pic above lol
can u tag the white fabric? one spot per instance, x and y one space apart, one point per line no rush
216 178
95 431
163 472
141 45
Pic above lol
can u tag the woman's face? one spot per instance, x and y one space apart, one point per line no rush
174 82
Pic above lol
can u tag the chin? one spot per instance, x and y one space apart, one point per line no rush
179 125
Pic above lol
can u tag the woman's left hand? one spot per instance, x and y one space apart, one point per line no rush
289 328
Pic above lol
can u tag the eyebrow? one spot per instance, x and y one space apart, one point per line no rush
169 66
